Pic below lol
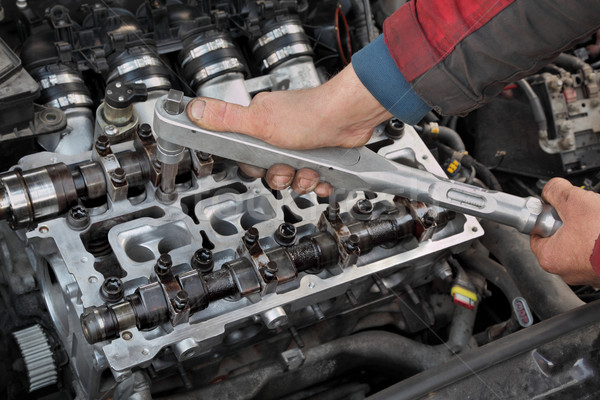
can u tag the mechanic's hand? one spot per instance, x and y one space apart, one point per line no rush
339 113
567 252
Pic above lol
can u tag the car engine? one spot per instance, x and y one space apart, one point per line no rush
129 277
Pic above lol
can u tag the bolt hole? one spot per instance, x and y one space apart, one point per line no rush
474 229
44 229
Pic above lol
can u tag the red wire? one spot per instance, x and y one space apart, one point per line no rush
338 13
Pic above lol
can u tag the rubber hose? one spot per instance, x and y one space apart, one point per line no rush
476 361
493 272
451 138
536 105
548 295
374 349
569 62
482 171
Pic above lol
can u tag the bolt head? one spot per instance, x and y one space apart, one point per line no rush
112 289
78 218
269 271
118 177
352 243
181 300
203 260
364 206
394 129
163 264
251 236
144 131
285 234
102 145
111 130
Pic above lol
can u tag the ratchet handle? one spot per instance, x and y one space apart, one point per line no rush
357 168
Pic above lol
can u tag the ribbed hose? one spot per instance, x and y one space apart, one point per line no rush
548 295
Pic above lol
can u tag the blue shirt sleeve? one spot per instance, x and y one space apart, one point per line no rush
377 70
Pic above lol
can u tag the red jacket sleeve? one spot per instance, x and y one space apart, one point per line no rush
458 54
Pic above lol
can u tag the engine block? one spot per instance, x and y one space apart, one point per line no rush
118 249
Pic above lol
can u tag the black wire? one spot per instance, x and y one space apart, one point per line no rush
321 43
326 58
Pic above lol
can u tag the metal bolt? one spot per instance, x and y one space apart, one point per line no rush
163 265
555 84
251 236
203 260
118 177
443 271
174 103
202 156
270 270
565 126
78 218
144 131
181 300
573 108
430 218
352 243
362 209
566 142
112 289
394 129
285 234
111 130
333 210
102 145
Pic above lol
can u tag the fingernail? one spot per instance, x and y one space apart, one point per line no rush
281 181
197 109
305 184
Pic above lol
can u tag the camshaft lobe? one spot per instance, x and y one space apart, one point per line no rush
46 192
150 305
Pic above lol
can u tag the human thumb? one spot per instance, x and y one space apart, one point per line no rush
217 115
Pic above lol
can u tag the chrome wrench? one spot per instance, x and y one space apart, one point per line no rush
357 168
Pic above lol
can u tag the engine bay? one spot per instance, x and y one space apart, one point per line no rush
129 271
